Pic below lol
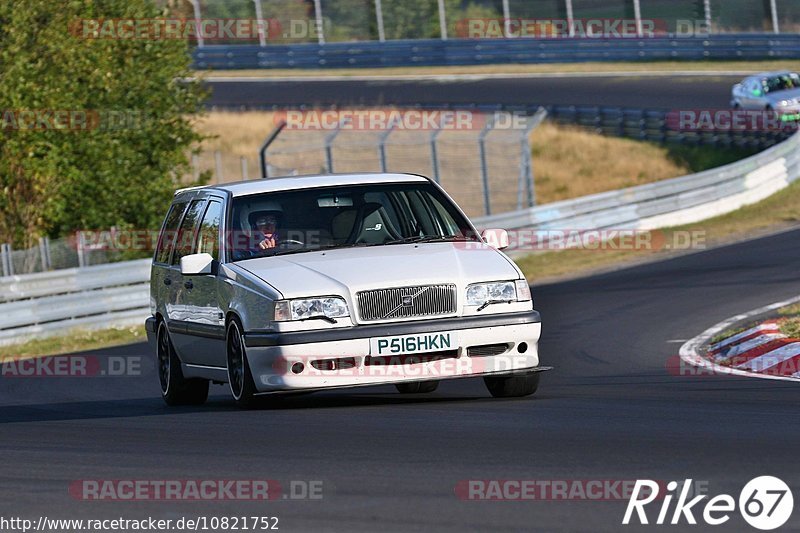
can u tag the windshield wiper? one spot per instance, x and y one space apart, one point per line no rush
428 238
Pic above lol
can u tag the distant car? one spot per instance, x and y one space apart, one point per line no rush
775 92
311 283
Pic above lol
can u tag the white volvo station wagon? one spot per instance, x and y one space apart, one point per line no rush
302 284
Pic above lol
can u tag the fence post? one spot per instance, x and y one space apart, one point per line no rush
318 20
43 254
8 264
487 200
243 161
637 15
262 152
197 20
379 17
506 20
774 9
81 241
442 20
526 166
262 38
329 145
570 18
435 155
382 146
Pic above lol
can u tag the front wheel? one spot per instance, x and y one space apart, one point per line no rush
512 386
240 378
175 389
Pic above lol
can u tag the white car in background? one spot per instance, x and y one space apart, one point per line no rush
320 282
777 93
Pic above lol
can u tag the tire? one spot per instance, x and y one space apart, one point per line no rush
417 387
175 389
512 386
240 379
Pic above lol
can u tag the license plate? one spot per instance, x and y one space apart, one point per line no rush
408 344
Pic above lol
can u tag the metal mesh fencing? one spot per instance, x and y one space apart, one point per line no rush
486 170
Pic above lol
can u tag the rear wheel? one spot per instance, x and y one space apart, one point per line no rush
240 378
417 387
175 389
512 386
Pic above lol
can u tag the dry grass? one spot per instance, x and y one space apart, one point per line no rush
721 67
78 340
562 169
570 162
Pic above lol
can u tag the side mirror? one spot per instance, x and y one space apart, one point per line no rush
197 264
496 238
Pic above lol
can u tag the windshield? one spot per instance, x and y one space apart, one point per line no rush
784 82
340 217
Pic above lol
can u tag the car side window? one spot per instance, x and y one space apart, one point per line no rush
208 236
186 234
166 241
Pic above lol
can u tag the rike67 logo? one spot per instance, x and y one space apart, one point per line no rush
765 503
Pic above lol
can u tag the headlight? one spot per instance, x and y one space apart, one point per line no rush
483 293
785 103
306 308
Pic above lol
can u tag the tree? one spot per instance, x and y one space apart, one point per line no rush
112 126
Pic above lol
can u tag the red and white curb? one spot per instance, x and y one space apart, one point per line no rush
761 352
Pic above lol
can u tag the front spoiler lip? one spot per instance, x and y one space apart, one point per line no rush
520 372
256 339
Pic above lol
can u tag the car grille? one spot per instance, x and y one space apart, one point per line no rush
422 301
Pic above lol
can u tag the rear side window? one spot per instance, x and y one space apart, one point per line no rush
166 241
186 233
208 237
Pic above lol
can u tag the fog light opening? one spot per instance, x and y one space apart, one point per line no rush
297 368
522 347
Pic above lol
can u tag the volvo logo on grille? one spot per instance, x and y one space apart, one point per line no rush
408 300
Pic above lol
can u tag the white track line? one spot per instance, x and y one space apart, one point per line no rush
690 352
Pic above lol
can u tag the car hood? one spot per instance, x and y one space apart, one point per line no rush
347 271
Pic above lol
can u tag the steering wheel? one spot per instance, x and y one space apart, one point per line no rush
290 241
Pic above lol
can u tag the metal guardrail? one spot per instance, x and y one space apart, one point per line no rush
672 202
37 305
435 52
118 294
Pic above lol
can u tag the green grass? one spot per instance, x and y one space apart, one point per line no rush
77 340
727 333
790 310
700 158
791 327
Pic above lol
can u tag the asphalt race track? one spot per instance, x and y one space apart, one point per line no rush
610 411
674 92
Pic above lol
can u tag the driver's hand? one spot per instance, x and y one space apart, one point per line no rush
267 243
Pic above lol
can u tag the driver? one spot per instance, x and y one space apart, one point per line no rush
265 226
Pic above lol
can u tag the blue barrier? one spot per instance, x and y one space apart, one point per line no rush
431 52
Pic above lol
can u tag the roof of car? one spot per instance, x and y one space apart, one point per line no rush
771 74
256 186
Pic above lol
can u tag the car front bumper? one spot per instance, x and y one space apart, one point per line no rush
323 359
